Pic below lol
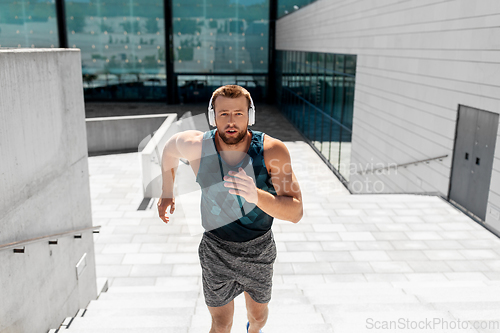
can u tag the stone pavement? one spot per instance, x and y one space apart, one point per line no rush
354 262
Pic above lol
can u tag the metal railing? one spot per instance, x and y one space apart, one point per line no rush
405 164
326 115
19 245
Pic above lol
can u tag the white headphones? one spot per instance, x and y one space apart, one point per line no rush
211 113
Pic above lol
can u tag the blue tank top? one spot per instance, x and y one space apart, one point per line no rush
227 215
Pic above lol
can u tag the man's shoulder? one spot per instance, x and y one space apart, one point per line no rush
189 143
274 147
190 137
272 143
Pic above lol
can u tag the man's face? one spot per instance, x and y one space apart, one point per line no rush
231 117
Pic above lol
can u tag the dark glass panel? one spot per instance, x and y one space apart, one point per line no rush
28 24
122 47
345 153
338 96
221 36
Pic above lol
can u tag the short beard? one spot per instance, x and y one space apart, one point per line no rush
233 141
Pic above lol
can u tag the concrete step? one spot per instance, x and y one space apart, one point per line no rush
455 295
326 307
394 285
142 303
203 319
150 295
102 285
332 309
145 289
440 284
276 328
476 306
382 292
290 299
456 292
393 321
296 309
407 294
489 312
134 312
279 298
357 317
166 323
129 330
274 309
349 297
131 322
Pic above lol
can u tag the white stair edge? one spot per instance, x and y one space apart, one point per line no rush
102 285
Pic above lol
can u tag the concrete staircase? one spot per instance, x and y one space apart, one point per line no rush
304 307
352 261
181 308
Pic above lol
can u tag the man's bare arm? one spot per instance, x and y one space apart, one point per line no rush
169 163
181 145
287 203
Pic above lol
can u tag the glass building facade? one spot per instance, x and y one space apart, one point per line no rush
122 47
219 42
28 24
136 49
316 93
180 51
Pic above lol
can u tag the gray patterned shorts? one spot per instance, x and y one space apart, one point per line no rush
229 268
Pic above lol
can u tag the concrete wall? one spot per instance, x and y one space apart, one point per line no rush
44 182
120 134
417 61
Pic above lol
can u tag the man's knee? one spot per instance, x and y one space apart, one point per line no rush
222 318
222 325
260 314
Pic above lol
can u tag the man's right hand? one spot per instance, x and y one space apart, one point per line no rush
163 204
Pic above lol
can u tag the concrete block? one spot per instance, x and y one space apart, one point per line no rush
45 188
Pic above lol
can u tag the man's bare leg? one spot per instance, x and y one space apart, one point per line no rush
222 318
257 314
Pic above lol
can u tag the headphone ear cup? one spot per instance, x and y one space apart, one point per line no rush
211 117
251 116
251 113
211 113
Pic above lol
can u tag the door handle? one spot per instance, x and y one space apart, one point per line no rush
466 156
477 160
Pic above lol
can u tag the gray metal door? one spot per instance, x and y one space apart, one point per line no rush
473 159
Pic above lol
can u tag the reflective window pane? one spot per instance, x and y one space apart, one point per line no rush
335 144
122 47
217 36
319 101
28 24
338 96
350 64
345 153
349 102
329 62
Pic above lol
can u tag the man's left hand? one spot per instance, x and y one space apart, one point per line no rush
241 184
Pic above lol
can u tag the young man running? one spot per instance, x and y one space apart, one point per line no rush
247 180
